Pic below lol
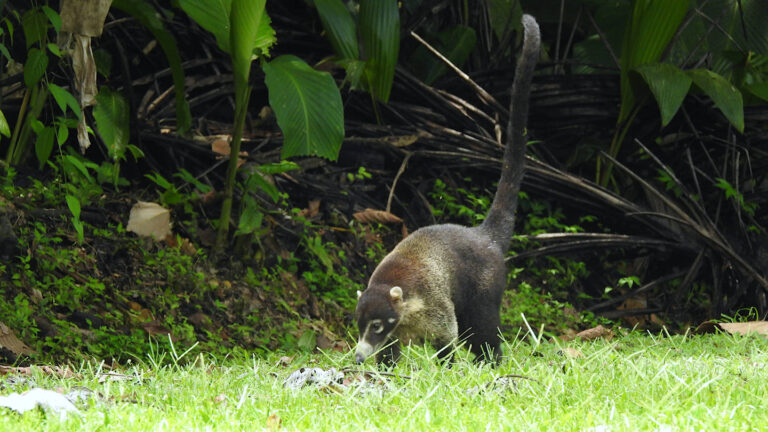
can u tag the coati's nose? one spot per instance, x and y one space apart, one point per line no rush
359 358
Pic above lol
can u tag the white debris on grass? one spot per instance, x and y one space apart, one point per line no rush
48 400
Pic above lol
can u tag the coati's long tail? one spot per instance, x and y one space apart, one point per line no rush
500 221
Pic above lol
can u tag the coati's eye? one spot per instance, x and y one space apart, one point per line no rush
377 327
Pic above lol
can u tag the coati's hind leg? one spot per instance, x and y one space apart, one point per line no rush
389 355
483 339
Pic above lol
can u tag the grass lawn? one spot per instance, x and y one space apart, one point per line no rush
634 382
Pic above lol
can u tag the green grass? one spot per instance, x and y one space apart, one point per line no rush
634 382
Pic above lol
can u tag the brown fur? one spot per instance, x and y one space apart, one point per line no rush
445 282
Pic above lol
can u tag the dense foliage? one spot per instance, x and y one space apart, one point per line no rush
644 198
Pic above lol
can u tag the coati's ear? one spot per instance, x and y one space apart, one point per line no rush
396 294
359 294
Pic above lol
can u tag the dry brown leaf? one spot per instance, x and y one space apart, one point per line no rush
285 361
370 216
571 352
187 248
45 370
404 141
273 423
221 145
638 302
759 327
312 210
568 335
84 18
155 328
594 333
220 399
9 341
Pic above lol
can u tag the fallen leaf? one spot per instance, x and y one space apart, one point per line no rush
148 219
201 320
285 360
594 333
312 210
571 352
380 216
45 370
207 237
220 399
221 146
9 341
759 327
404 141
155 328
638 302
273 423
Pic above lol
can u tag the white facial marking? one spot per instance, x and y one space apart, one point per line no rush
359 294
396 293
391 320
364 349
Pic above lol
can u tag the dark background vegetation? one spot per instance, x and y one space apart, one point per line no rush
673 235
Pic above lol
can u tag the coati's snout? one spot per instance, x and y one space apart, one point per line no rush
377 318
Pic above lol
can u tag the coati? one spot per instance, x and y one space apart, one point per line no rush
444 282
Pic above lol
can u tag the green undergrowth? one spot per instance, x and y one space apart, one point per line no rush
641 382
97 292
98 296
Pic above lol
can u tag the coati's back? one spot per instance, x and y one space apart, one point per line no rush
443 282
440 260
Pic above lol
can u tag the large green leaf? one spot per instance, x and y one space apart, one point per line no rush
456 44
44 144
504 14
759 89
380 37
34 68
112 121
669 86
339 27
726 97
34 23
213 16
651 27
245 19
308 107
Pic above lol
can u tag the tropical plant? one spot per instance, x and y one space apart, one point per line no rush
306 102
372 66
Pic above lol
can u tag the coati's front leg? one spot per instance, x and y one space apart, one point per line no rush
445 340
390 354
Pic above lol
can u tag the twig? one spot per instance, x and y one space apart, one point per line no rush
397 177
484 95
368 372
603 38
513 376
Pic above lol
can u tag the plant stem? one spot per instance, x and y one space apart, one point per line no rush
241 110
604 174
9 159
